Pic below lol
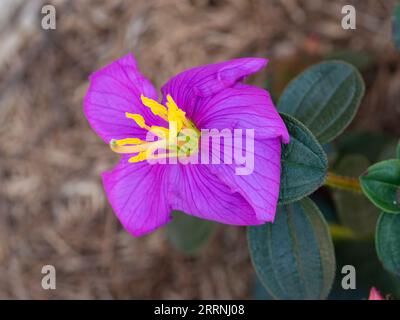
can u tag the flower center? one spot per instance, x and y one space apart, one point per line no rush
178 140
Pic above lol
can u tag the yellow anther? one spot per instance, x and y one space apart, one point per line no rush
155 107
171 103
119 146
123 142
176 114
138 119
139 157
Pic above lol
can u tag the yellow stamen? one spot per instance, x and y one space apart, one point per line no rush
140 157
155 107
171 103
160 131
176 114
172 139
138 119
126 141
119 147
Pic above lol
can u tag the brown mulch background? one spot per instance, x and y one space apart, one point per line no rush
52 205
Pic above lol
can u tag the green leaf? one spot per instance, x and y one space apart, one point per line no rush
294 256
259 292
381 184
304 163
189 234
325 98
396 26
322 199
398 150
387 241
354 209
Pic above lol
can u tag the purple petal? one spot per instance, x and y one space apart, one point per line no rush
260 188
196 191
188 87
249 107
137 193
114 90
242 107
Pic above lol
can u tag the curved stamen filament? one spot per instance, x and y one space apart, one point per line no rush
119 147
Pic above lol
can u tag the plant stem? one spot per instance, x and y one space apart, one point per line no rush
342 233
343 182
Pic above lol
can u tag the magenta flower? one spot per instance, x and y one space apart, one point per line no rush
121 107
374 294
